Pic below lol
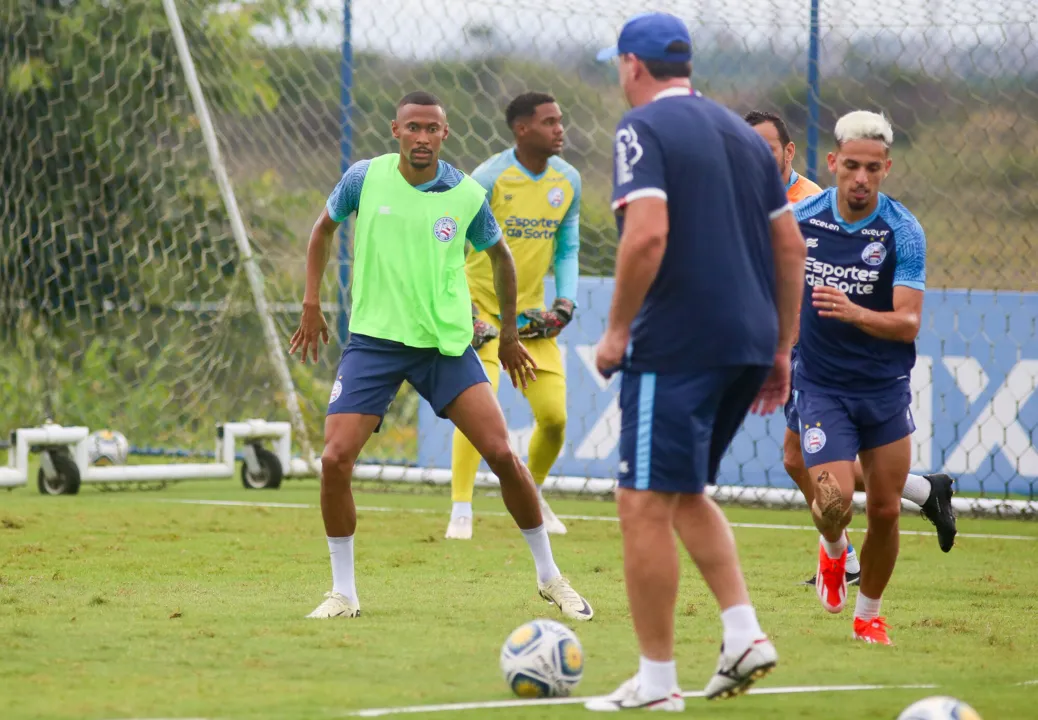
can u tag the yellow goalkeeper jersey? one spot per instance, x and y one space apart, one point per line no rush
540 218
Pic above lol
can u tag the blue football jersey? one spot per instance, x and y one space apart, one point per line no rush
712 303
866 260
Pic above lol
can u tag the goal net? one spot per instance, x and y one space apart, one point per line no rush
124 296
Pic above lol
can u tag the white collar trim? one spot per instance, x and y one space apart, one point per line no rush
673 92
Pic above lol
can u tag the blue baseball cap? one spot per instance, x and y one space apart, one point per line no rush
647 36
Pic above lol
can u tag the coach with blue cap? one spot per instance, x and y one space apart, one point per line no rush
706 230
659 40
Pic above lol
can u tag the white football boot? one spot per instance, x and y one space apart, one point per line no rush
629 696
737 672
336 605
560 593
552 524
460 528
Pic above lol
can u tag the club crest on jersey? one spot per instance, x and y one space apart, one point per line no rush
336 392
814 440
556 197
445 229
874 253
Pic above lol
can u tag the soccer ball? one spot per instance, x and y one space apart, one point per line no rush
542 658
107 447
939 707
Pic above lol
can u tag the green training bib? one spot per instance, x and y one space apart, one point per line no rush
409 280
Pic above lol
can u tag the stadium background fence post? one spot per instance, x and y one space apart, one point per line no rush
346 148
275 352
813 94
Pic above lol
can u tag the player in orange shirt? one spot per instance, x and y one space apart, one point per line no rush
924 490
772 128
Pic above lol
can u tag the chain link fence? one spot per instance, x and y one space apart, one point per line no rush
123 302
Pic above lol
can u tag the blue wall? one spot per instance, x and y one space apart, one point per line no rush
974 383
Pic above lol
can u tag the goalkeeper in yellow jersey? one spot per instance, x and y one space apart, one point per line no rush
535 196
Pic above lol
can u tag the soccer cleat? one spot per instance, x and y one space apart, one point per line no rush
938 509
552 524
853 578
336 605
872 631
736 673
629 696
460 528
831 583
561 594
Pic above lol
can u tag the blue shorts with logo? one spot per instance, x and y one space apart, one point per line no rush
371 371
836 427
675 428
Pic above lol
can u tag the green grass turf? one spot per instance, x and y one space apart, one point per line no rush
125 605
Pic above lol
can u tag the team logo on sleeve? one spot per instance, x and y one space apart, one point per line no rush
336 392
628 153
814 440
874 253
556 197
445 229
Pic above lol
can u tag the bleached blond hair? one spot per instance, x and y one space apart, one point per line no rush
864 125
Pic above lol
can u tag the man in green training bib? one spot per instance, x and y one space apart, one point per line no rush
412 320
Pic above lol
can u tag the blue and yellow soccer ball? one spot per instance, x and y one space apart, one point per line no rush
939 707
107 447
542 658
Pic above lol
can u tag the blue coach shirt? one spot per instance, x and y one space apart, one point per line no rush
712 303
865 260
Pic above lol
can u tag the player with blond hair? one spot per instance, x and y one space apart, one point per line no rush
860 316
931 492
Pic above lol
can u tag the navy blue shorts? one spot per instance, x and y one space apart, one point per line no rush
790 410
837 427
371 371
674 429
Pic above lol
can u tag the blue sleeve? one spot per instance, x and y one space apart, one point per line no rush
811 206
483 232
487 174
345 198
567 242
638 168
910 244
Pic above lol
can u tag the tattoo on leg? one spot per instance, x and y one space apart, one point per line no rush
828 503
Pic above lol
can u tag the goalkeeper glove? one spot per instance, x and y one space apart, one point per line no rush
546 323
482 331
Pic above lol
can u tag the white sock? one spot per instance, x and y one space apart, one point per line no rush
343 582
866 608
657 679
834 550
917 489
740 627
853 566
540 546
461 509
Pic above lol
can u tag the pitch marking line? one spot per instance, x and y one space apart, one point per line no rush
592 518
500 704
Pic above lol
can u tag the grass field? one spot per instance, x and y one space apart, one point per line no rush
140 605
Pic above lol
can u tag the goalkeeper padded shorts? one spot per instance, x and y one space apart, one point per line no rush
371 371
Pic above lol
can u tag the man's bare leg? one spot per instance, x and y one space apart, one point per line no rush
476 413
793 460
650 568
746 652
886 468
344 438
831 511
